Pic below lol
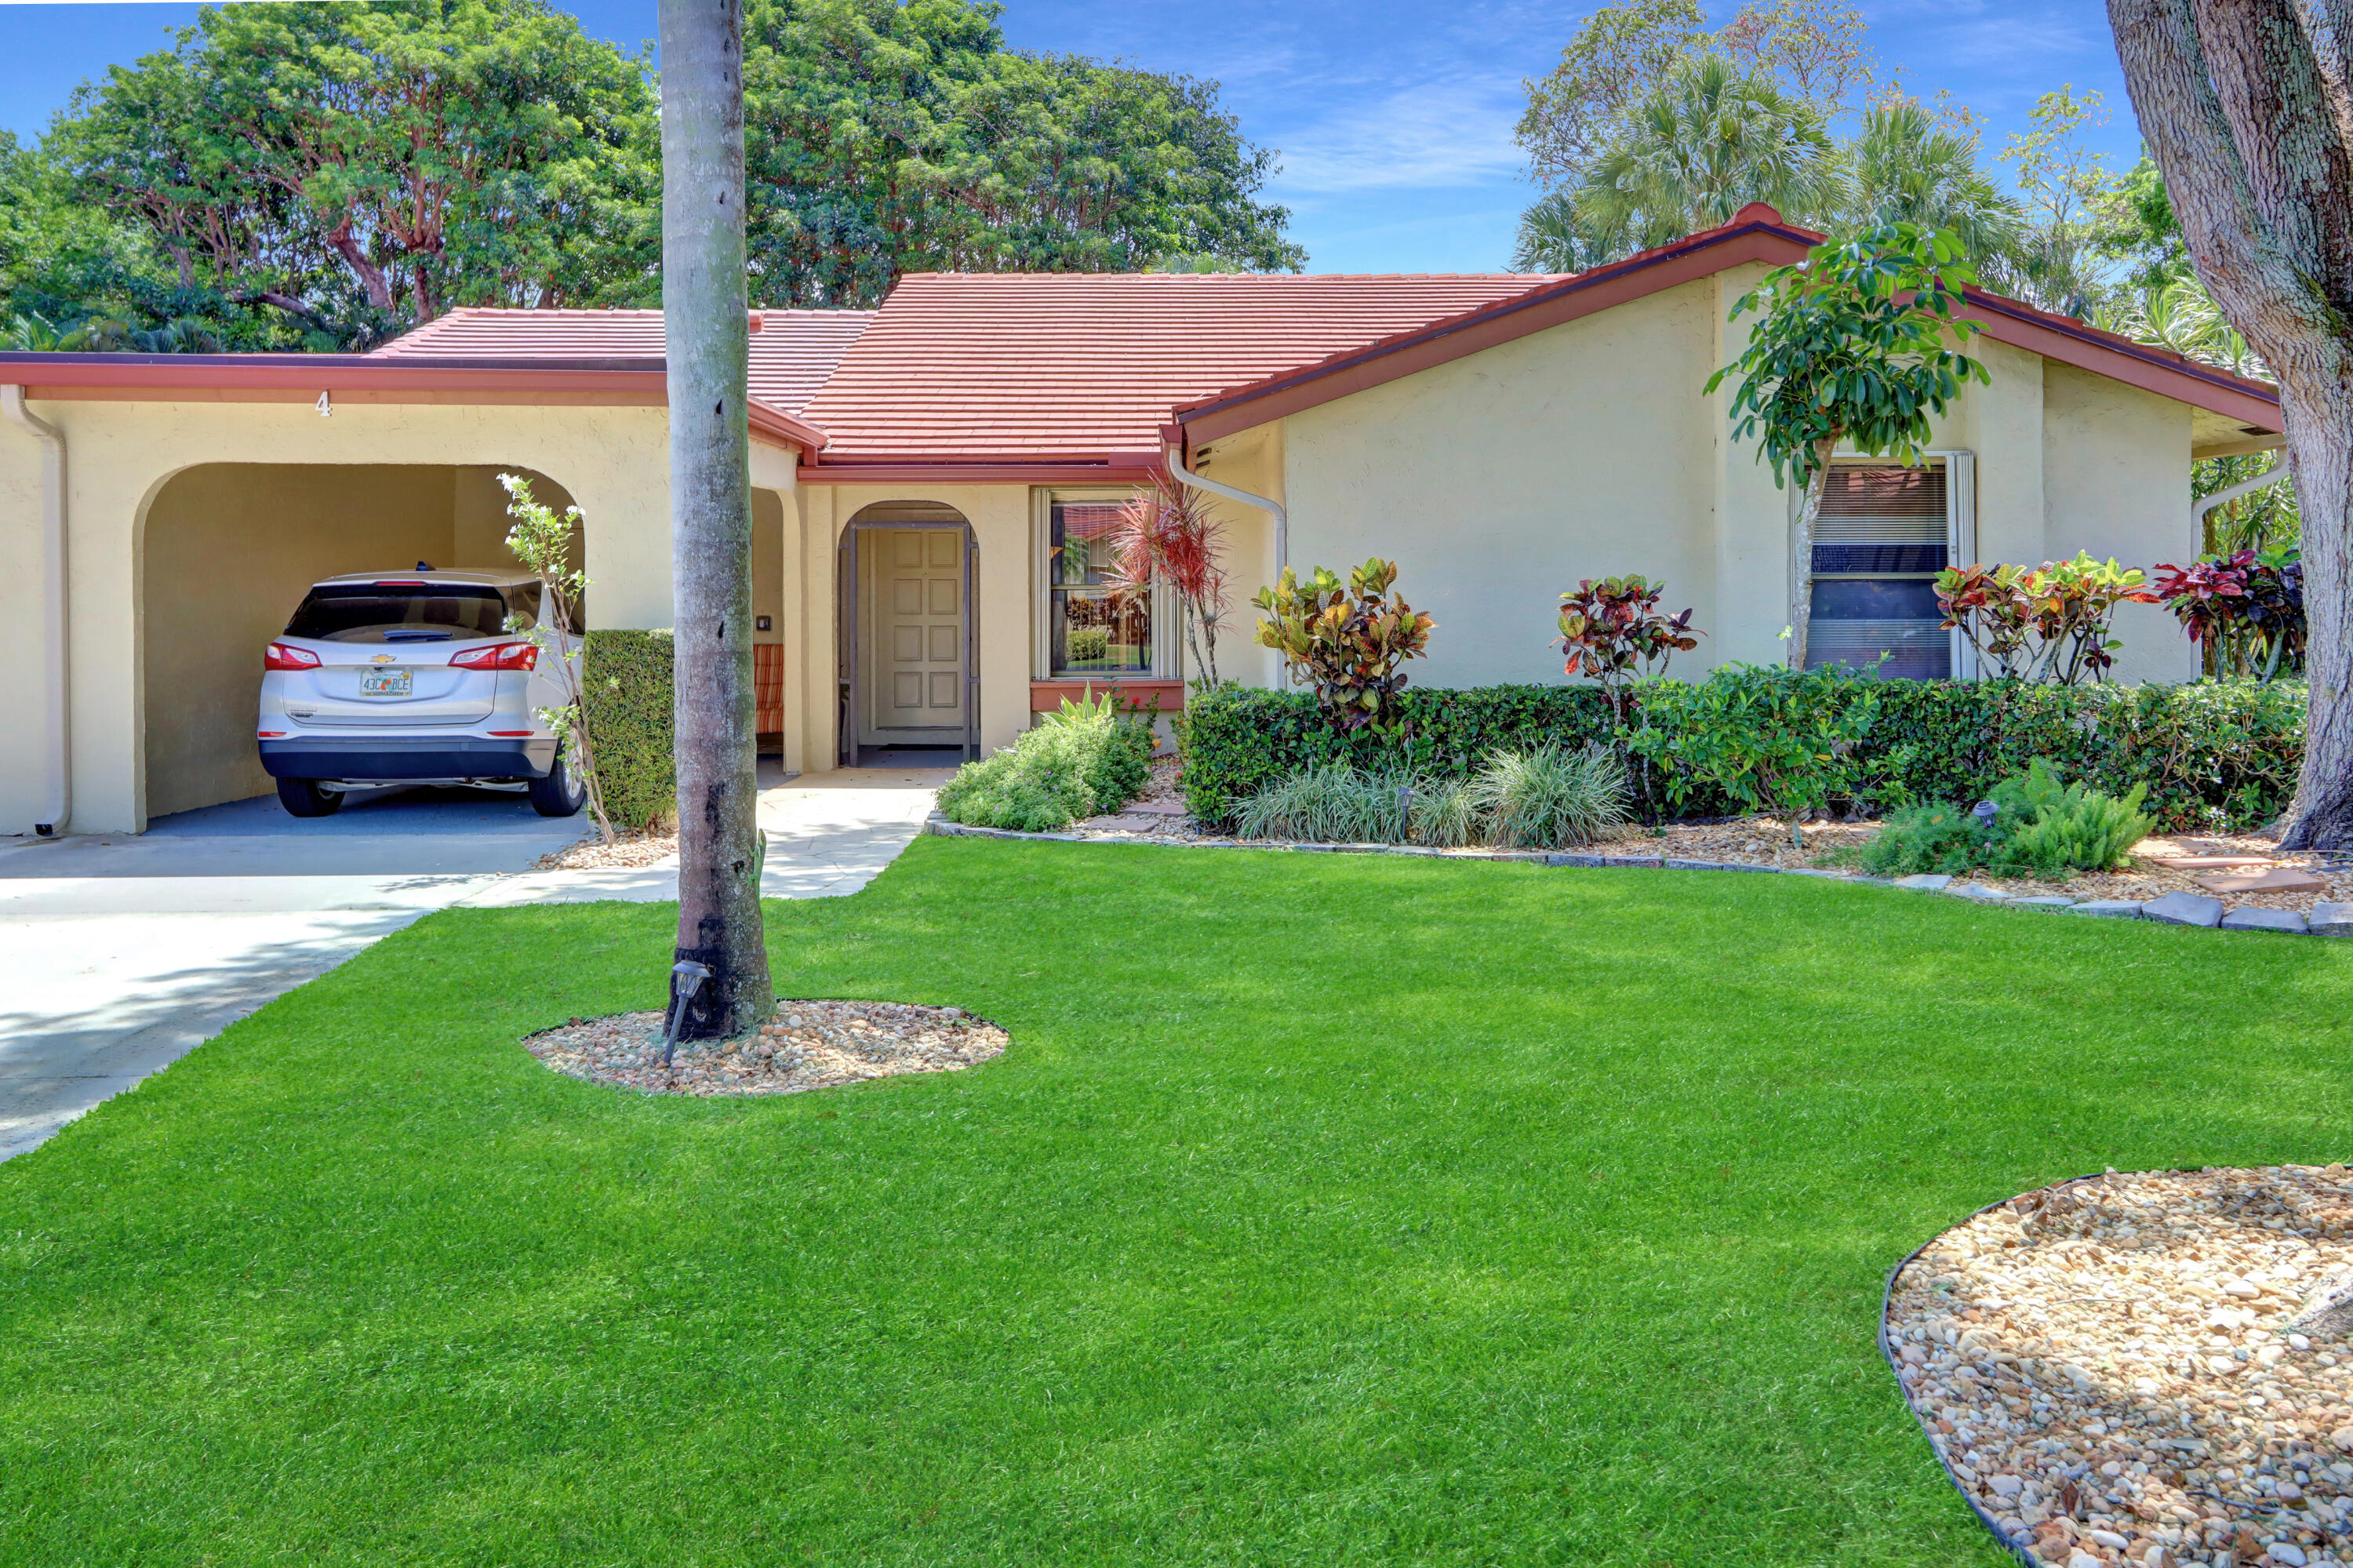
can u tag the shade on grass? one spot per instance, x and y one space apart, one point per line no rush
1325 1210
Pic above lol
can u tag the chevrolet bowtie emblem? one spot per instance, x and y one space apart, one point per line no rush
380 659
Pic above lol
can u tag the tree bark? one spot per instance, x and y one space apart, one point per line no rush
711 522
1801 553
370 276
2245 106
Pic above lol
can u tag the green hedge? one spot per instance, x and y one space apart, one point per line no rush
2231 748
626 677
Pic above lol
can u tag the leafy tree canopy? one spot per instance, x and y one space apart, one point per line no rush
330 173
890 137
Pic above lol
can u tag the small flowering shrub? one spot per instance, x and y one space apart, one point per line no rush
2244 612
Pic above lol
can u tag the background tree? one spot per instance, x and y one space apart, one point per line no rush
325 175
890 136
1708 142
1620 56
2057 261
709 353
2248 108
1908 166
1854 343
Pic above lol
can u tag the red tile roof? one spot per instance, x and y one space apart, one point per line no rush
1756 233
974 368
792 354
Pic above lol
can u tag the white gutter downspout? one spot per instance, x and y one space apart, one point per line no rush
2272 475
53 541
1272 508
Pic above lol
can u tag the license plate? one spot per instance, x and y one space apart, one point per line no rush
386 683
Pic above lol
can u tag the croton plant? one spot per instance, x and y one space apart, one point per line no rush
2244 611
1611 630
1346 643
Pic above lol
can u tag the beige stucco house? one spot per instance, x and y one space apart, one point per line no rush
927 479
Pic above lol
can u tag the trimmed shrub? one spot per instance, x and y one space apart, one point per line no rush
2212 753
1084 760
627 684
1238 739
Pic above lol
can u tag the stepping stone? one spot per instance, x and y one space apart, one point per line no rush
2108 909
2045 901
2279 879
1978 892
2183 909
2206 861
2329 920
1158 808
2285 920
1925 884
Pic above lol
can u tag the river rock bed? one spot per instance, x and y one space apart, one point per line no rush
809 1045
2139 1368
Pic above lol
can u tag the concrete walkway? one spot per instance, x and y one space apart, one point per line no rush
120 954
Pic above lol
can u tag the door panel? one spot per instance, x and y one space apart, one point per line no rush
915 637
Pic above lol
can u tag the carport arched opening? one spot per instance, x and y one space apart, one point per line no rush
908 685
228 550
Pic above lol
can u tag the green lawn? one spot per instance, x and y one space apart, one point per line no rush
1326 1210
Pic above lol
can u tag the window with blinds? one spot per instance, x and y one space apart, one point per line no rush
1881 538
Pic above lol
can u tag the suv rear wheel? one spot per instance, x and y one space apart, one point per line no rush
562 792
303 798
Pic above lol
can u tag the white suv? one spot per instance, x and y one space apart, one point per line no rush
410 677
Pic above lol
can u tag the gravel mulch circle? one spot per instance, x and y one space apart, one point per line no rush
632 848
2146 1367
809 1045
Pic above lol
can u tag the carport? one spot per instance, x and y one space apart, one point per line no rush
230 548
195 496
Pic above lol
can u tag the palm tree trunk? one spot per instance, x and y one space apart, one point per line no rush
711 523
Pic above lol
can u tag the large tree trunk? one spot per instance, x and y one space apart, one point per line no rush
703 320
2248 108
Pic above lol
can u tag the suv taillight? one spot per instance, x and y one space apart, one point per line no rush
498 656
284 656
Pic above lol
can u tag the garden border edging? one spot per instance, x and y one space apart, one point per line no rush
2178 908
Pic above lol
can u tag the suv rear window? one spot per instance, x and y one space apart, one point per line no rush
409 612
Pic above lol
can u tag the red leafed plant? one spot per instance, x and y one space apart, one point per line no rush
1347 641
1165 535
1611 630
2245 611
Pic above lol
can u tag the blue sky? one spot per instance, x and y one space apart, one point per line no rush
1394 117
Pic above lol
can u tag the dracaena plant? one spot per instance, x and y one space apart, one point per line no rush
1166 536
2245 611
1855 346
1346 642
1611 630
2048 622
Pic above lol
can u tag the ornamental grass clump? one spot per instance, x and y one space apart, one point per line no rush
1552 797
1337 803
1083 761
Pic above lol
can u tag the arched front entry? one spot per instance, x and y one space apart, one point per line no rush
909 654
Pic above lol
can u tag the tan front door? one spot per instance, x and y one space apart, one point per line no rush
916 649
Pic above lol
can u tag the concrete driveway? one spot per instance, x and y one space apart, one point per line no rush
120 954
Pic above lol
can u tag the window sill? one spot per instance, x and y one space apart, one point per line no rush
1046 697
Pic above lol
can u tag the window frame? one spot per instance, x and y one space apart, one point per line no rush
1959 464
1167 655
